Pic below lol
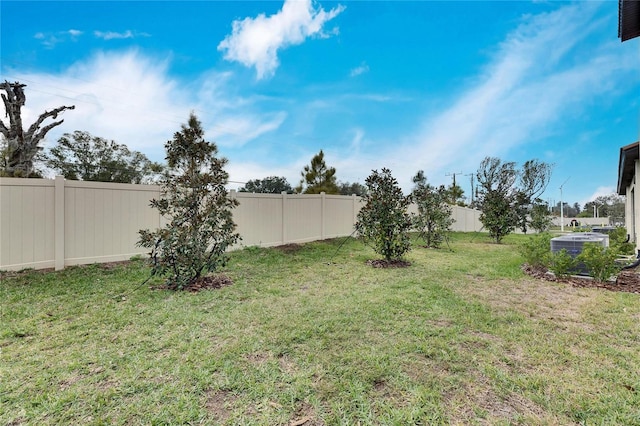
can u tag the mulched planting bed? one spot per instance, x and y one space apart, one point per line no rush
209 282
382 263
627 281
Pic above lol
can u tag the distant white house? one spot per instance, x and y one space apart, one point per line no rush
628 171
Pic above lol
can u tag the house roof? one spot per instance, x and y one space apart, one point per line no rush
628 19
627 166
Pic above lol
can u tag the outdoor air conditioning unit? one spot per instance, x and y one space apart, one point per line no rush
573 244
603 229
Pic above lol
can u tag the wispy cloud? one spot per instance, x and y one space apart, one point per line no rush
535 80
50 40
255 42
363 68
236 130
113 35
130 98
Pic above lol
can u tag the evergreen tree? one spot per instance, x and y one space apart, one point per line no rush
433 219
268 185
197 208
383 222
354 188
317 177
81 156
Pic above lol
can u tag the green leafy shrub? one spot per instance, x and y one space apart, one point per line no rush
599 260
618 241
197 209
383 222
536 250
433 219
562 264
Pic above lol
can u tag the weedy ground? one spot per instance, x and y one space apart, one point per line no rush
312 335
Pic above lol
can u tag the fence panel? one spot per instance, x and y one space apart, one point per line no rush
102 220
56 223
27 233
303 218
259 219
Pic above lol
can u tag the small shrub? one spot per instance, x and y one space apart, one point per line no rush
562 264
433 219
537 250
599 260
618 241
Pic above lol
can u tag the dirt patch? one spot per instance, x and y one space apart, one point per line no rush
209 282
219 404
626 281
258 358
305 416
476 402
383 263
289 248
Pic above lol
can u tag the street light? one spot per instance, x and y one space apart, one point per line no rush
562 207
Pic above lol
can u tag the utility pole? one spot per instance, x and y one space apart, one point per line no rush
454 177
562 207
471 174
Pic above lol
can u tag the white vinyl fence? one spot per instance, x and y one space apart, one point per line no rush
56 223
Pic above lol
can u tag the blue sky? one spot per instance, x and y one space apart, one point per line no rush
426 85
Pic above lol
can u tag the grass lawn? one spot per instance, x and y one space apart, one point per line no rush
311 335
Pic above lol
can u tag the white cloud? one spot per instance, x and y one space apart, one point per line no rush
255 42
237 130
363 68
129 97
112 35
50 40
599 192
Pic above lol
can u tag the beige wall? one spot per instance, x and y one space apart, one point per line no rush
632 209
56 223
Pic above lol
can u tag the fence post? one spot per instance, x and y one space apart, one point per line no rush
59 214
323 214
354 219
284 217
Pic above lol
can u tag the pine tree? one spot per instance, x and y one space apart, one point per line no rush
317 177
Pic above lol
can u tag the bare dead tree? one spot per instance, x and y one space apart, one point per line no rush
21 147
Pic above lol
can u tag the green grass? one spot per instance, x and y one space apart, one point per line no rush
459 337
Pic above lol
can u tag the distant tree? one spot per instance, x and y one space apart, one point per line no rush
383 221
317 177
19 147
540 216
455 195
496 196
268 185
81 156
576 207
532 181
506 195
433 219
197 208
354 188
612 206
